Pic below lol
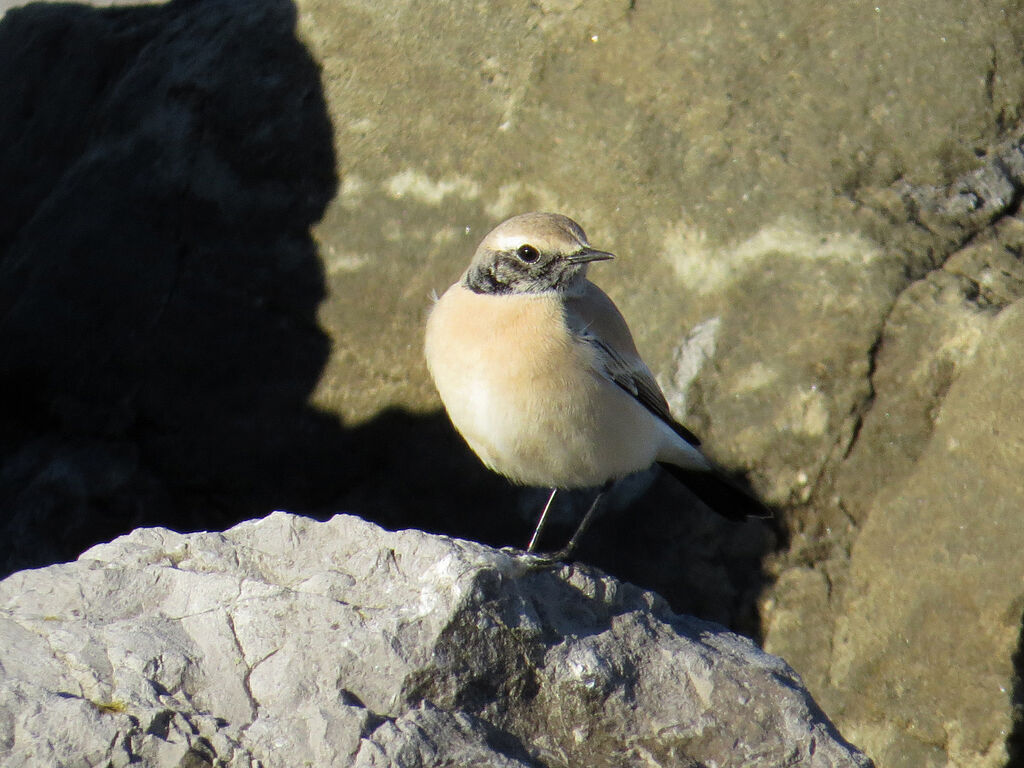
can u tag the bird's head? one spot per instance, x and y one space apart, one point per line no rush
532 253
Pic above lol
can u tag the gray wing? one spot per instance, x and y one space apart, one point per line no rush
594 319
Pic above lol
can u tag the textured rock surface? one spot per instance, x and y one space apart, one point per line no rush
931 487
288 642
952 537
222 223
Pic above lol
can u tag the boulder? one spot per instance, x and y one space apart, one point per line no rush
286 641
936 577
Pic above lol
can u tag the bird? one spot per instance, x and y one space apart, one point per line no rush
539 373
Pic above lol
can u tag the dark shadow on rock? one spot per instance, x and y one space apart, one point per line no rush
162 167
657 535
415 471
1015 741
161 171
159 286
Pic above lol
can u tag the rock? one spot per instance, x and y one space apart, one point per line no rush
222 225
931 508
286 642
158 282
931 332
936 579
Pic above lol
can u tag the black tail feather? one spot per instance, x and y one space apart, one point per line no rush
731 497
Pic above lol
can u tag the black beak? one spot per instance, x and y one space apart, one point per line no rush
588 255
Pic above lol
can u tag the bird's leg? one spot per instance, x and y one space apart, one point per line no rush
540 523
566 552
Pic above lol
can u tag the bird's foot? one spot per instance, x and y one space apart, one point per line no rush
540 561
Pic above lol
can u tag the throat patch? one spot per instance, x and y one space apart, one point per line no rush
483 280
507 274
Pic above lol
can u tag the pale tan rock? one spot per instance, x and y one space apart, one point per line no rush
931 333
933 611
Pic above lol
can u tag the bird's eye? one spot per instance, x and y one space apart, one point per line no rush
527 253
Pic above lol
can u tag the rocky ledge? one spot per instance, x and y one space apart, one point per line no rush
285 642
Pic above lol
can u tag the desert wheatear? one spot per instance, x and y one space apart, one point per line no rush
539 373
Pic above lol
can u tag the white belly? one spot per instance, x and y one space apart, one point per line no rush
524 395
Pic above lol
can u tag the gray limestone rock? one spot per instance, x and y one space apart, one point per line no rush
286 642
